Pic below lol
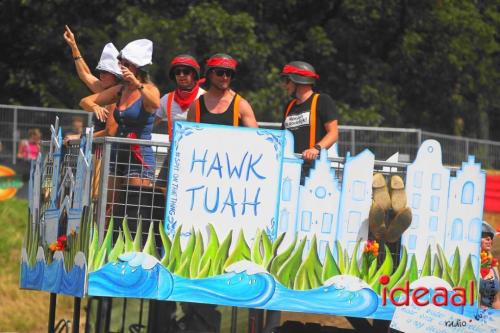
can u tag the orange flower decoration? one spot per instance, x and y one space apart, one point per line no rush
371 248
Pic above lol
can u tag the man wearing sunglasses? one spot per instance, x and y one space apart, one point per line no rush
185 72
311 117
221 105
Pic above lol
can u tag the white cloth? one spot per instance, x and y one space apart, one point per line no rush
139 52
177 113
109 62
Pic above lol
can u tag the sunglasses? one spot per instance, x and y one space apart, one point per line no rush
221 72
182 71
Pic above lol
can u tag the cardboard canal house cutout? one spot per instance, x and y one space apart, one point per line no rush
54 253
241 230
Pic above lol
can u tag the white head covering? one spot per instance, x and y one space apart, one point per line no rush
139 52
109 62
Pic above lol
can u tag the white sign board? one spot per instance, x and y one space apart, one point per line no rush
232 183
431 318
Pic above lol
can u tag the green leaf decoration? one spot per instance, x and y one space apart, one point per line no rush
129 243
105 247
175 253
455 267
268 249
256 254
167 244
205 270
93 248
196 257
396 276
426 268
309 273
437 270
117 248
467 276
330 267
150 246
447 277
211 250
138 237
340 257
385 269
186 256
372 270
410 275
274 250
444 262
286 274
346 261
278 261
241 251
221 255
353 266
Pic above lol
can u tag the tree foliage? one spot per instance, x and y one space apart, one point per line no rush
430 64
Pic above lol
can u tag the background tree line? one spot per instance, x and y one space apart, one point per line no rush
430 64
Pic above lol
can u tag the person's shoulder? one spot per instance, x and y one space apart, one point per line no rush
324 97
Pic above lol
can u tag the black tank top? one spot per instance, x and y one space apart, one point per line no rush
224 118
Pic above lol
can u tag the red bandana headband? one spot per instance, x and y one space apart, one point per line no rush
222 62
288 69
188 61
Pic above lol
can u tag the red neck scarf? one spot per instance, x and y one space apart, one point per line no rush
185 97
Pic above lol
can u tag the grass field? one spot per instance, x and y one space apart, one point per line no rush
21 310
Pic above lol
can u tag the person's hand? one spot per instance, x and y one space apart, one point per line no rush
310 154
129 76
70 137
100 112
69 37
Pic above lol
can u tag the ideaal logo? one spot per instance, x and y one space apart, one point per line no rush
422 296
9 183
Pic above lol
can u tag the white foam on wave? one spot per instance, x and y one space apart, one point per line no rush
24 255
247 266
40 254
80 260
58 255
346 282
142 259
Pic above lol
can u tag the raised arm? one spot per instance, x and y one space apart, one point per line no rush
246 114
84 73
94 103
149 91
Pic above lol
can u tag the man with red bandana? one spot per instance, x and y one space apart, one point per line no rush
185 71
311 117
221 105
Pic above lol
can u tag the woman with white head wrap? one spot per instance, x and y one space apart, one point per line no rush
109 75
137 99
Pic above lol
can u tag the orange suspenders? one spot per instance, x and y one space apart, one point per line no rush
312 118
169 114
236 113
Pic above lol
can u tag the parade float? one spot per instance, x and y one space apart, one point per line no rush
241 230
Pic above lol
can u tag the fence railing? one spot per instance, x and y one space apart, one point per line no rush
15 121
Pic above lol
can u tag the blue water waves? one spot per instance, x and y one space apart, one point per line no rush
237 289
73 282
53 276
32 277
327 299
129 277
